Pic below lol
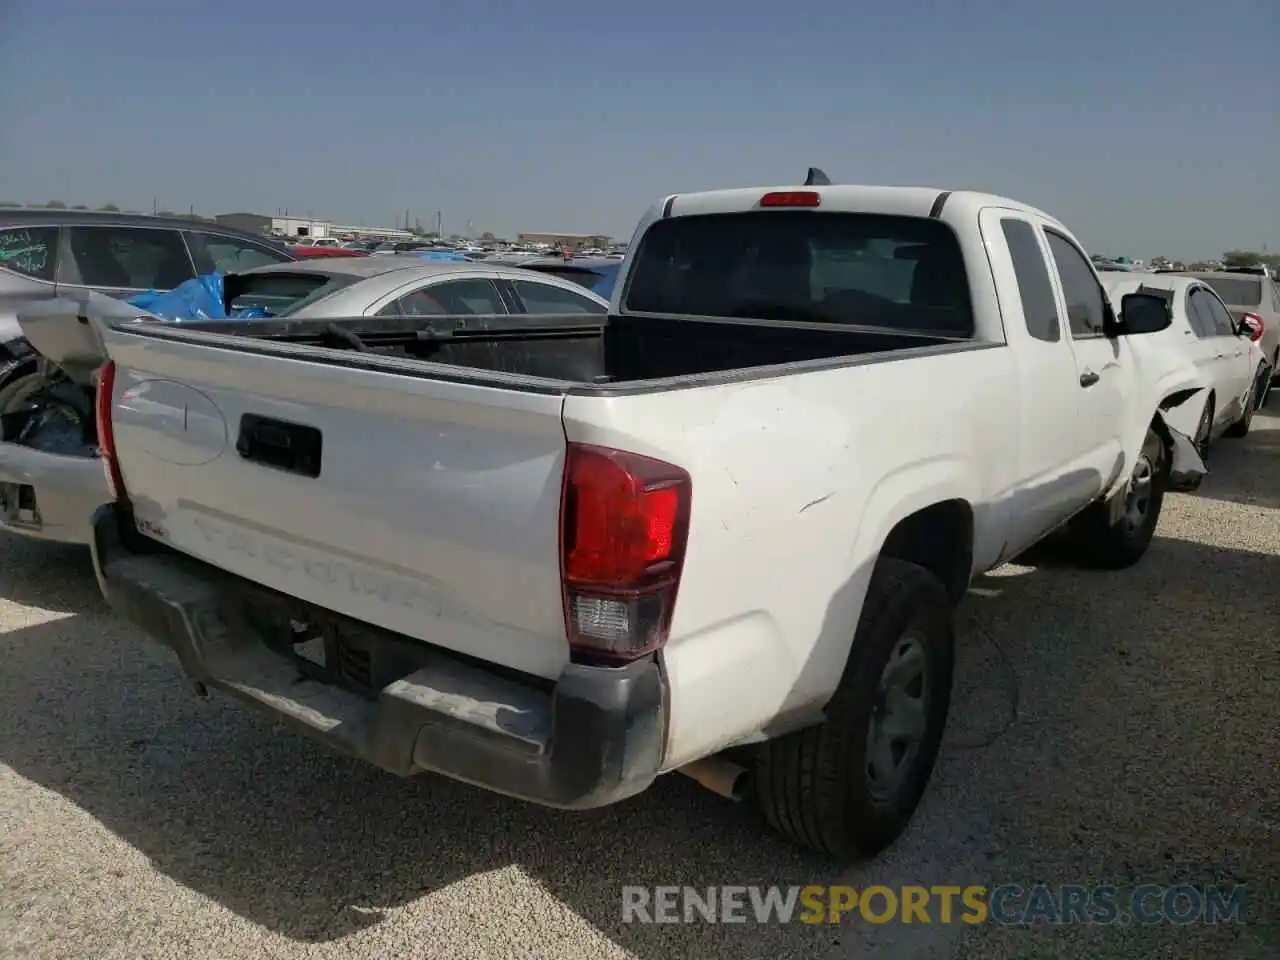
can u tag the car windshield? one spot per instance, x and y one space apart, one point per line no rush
902 272
1237 291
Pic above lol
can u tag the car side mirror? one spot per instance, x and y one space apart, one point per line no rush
1251 327
1144 313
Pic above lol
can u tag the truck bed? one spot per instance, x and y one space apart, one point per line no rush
578 349
407 472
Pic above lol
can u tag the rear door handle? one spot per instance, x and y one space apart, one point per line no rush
1089 378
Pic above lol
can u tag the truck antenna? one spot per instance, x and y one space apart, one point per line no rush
816 178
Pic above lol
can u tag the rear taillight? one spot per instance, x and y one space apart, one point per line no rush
106 433
624 525
1257 327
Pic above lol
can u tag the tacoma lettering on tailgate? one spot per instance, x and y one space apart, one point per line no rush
327 571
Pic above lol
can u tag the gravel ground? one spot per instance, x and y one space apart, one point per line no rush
1115 728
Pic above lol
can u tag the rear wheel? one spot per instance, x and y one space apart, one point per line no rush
849 786
1115 545
18 385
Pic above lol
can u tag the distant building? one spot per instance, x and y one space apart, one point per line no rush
305 228
576 241
249 222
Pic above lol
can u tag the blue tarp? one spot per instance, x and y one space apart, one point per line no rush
199 298
608 277
439 255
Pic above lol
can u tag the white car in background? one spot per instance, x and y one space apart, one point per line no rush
1234 368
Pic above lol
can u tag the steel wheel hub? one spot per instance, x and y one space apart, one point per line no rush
1137 500
899 717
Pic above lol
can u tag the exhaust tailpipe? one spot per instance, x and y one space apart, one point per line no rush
721 776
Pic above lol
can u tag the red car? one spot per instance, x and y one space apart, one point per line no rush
303 251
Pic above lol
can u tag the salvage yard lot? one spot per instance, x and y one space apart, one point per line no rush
1106 728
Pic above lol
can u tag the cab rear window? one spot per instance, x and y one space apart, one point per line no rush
281 294
900 272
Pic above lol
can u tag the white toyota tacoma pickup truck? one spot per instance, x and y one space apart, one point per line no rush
720 531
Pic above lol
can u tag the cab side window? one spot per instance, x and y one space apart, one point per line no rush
1223 325
1086 304
1198 314
126 258
225 254
452 298
544 298
1039 307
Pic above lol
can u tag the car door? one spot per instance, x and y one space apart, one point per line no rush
226 254
1045 479
123 261
1103 384
1230 350
538 297
1205 349
1202 341
445 296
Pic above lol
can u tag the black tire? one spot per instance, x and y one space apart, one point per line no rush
814 786
1241 427
1105 545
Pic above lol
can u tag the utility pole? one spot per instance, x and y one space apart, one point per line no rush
439 224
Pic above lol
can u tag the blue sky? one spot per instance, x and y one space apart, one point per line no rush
1148 127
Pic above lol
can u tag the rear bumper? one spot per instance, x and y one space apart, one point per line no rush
51 496
594 739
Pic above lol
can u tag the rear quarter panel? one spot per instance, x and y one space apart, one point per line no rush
797 479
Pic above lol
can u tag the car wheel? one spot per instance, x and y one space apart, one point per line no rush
849 786
1115 545
20 383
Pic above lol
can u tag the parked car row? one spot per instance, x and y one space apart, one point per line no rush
1228 352
470 518
1252 295
50 479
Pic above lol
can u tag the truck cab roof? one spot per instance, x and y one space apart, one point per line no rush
849 198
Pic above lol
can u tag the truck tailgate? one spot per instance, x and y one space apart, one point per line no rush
423 506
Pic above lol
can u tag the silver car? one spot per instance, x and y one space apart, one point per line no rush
405 285
50 479
53 253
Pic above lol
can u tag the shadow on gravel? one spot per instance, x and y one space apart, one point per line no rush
1106 727
49 576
